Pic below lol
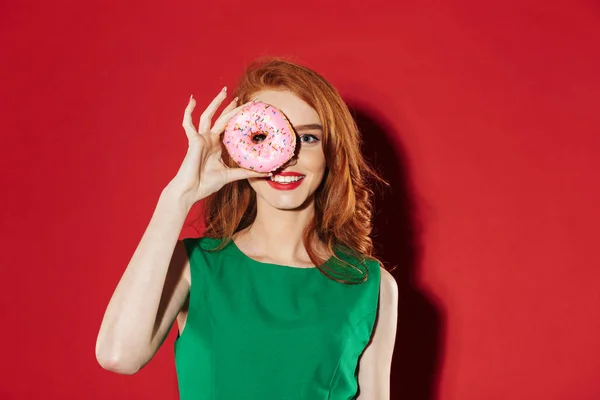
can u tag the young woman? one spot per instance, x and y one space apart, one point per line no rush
281 298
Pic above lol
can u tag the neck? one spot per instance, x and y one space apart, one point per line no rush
278 233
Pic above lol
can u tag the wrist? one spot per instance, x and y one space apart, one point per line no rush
177 198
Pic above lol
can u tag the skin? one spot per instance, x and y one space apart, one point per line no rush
154 288
282 214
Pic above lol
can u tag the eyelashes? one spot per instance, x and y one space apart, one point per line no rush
303 138
313 139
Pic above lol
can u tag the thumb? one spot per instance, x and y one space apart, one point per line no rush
236 174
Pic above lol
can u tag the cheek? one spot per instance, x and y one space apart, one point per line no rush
322 166
314 160
318 173
255 183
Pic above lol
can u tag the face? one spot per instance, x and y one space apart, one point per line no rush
309 162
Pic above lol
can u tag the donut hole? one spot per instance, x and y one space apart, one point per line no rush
258 137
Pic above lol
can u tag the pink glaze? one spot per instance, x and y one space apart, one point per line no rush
259 118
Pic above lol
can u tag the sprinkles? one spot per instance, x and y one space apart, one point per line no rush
267 155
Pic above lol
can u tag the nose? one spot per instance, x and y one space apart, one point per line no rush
294 160
291 162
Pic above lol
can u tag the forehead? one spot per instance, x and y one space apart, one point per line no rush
295 109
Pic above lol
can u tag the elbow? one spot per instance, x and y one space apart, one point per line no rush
114 362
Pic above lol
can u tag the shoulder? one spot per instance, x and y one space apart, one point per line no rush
190 243
388 288
202 243
376 362
199 254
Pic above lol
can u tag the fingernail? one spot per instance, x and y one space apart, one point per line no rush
236 99
224 89
191 95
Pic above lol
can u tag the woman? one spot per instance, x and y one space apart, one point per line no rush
285 298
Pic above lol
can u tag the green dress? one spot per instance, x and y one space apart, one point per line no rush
260 331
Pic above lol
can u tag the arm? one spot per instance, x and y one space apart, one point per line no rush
376 361
150 293
156 283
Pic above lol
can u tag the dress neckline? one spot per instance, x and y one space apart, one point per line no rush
281 266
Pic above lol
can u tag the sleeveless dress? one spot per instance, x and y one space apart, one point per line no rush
260 331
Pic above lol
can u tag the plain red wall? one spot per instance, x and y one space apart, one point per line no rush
484 115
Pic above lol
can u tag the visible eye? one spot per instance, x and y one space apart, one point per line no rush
309 139
259 138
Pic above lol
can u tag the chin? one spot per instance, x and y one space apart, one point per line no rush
296 199
287 201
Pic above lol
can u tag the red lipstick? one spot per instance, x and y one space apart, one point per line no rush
285 186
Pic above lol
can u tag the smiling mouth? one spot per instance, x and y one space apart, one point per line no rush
286 178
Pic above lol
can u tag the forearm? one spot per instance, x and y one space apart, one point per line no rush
128 324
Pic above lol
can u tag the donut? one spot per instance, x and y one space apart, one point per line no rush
259 118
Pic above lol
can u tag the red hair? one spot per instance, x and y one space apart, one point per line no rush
343 206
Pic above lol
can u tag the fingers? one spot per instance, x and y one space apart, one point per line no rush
187 123
229 107
206 117
236 174
222 121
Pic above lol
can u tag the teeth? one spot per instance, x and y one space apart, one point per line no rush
286 179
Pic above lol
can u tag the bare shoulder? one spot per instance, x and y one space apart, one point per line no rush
376 362
388 288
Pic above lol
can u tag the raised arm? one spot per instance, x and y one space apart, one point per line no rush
149 295
155 283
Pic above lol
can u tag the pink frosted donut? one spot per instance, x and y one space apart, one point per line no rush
259 118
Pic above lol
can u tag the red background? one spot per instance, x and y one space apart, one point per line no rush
483 115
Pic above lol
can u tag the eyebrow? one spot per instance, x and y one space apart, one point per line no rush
308 127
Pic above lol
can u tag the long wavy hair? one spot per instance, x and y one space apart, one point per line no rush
343 209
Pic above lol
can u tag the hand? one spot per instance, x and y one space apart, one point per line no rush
203 171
